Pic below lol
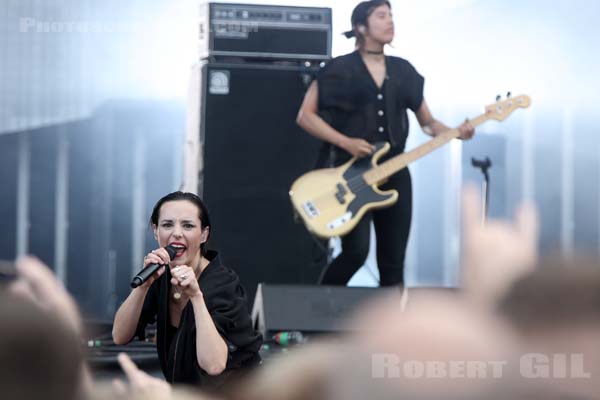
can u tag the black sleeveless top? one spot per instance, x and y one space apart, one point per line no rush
351 102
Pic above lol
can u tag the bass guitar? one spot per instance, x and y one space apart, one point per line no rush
331 201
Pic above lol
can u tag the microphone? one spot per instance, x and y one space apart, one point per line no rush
483 164
150 269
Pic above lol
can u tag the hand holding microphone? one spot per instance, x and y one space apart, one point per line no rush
152 263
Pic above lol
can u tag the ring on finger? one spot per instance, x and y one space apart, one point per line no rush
183 276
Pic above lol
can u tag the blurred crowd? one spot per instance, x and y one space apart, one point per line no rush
519 327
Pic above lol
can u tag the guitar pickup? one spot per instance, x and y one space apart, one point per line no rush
336 223
341 193
310 209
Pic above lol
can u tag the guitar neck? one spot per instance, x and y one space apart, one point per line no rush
400 161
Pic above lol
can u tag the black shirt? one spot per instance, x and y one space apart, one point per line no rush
351 102
226 302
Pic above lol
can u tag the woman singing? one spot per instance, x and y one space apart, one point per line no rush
204 335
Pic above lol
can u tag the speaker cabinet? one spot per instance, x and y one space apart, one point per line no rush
252 151
310 309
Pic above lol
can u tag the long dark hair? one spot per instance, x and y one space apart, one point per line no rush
192 198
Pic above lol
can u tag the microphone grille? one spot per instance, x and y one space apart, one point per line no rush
171 250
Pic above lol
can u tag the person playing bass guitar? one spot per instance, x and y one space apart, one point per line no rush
359 99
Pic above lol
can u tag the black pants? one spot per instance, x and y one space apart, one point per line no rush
392 226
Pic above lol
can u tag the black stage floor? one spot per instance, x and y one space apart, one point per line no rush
102 357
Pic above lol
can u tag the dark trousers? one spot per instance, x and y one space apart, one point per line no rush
392 226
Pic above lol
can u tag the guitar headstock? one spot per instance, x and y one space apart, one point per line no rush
502 109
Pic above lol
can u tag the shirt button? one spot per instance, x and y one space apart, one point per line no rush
379 96
380 112
381 129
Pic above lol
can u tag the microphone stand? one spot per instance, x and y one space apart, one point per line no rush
484 166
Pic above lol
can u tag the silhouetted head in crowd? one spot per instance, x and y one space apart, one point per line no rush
39 355
300 374
559 294
556 310
438 346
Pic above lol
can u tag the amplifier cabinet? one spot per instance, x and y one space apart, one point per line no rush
264 32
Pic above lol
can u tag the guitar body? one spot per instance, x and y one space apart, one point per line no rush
331 201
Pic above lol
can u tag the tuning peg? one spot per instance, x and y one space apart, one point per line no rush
498 98
508 94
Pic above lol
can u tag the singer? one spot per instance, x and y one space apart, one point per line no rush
204 333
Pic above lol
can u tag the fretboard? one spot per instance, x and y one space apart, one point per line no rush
400 161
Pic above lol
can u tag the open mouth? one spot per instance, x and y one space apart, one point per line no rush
179 248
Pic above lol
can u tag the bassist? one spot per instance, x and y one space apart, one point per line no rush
359 99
